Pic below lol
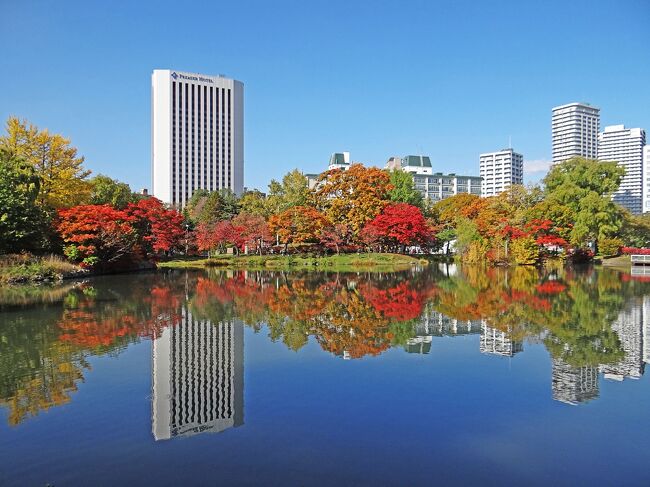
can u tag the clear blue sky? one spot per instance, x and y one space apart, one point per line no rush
450 79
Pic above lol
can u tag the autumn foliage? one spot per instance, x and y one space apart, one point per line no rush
103 235
401 224
300 224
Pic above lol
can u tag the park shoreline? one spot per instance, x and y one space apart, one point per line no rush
349 262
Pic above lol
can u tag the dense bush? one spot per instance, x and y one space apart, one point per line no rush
635 251
610 246
525 251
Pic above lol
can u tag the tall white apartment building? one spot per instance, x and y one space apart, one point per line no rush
574 129
197 378
646 179
500 170
625 146
197 134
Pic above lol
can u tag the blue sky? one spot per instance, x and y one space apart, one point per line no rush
450 79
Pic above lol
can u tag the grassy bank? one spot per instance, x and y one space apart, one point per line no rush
344 262
24 268
622 261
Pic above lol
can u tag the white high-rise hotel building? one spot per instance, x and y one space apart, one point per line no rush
197 134
499 170
625 146
646 178
574 129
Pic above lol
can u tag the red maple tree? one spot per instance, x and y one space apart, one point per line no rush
402 224
160 229
96 233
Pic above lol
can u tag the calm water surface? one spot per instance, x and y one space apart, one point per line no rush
435 376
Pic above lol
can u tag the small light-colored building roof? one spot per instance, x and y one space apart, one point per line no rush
339 158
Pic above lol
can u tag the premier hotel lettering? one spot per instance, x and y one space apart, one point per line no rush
194 78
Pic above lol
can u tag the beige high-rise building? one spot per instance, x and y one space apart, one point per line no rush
574 129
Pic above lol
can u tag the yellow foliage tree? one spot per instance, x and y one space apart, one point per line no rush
63 178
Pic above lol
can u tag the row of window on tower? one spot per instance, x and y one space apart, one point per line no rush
201 139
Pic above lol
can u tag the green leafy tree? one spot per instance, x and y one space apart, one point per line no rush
466 234
107 191
21 220
446 236
293 191
254 203
636 230
404 189
211 207
585 187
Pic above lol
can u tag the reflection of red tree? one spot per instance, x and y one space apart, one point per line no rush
629 277
84 329
164 311
90 325
400 302
550 287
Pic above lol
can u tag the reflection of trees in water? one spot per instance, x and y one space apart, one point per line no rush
580 316
37 371
355 315
348 314
44 349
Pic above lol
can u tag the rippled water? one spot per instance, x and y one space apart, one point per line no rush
435 376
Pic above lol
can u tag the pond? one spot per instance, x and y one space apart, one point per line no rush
439 375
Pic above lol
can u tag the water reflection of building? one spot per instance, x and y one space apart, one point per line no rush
497 342
574 385
645 320
198 378
433 323
629 326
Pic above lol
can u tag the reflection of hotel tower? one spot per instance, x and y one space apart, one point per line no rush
198 378
498 342
630 327
574 385
645 315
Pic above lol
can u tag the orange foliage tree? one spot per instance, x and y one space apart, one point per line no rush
353 197
300 224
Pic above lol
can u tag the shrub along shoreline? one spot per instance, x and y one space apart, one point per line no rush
26 268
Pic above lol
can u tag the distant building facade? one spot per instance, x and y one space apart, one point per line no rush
394 163
437 186
574 130
500 170
197 134
339 160
626 147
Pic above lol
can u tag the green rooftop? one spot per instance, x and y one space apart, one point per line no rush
416 161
